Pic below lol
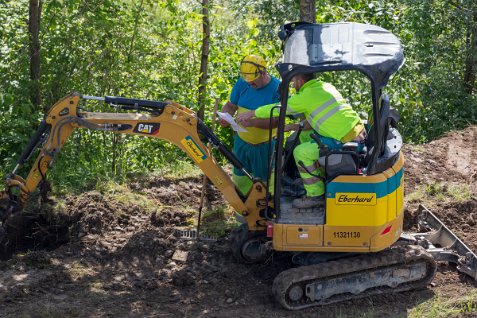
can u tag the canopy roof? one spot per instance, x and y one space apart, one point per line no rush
367 48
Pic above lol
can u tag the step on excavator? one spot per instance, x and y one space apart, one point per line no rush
350 247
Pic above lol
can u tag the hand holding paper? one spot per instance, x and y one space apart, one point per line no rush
228 118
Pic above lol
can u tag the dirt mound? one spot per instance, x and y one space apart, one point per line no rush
445 171
123 259
171 192
451 159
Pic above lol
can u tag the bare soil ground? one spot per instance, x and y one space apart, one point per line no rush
114 259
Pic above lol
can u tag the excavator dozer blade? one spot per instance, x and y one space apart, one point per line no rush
443 244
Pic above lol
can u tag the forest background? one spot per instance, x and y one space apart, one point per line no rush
154 50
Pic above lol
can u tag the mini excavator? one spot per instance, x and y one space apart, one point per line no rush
350 247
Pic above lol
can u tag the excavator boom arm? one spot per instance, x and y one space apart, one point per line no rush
164 120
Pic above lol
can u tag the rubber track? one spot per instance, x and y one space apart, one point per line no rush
392 257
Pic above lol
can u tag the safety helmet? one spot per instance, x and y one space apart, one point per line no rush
251 66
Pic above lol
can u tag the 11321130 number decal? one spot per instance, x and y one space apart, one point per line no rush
344 235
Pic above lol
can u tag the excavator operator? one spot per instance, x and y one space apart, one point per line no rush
333 120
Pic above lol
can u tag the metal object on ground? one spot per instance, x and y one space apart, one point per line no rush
192 235
204 178
444 245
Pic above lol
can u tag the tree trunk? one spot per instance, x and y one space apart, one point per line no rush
308 11
471 60
133 38
204 58
34 30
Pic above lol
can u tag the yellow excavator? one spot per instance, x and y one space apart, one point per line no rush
352 246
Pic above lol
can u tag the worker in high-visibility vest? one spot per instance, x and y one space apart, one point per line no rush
332 118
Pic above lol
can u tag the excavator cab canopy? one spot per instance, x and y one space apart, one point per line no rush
369 49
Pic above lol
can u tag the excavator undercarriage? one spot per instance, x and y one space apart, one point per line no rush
325 278
396 269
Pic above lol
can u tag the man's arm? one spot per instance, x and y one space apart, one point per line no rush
296 126
260 116
248 119
263 123
230 108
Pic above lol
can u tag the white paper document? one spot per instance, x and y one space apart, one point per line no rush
228 118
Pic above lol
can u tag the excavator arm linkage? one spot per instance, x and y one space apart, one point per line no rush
168 120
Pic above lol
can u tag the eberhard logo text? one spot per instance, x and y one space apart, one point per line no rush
356 198
196 153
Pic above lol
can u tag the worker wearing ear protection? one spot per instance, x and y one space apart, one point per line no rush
253 89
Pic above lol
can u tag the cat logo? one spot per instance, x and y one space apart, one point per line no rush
193 149
149 129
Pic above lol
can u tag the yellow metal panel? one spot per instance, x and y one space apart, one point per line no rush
288 237
277 239
303 235
356 215
348 236
382 240
392 183
372 207
400 197
292 237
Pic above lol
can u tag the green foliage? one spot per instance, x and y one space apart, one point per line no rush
15 126
428 91
437 307
148 49
439 192
218 222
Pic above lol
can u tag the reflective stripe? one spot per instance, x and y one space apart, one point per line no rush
310 168
331 101
322 107
328 115
312 180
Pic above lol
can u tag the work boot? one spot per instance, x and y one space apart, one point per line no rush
308 202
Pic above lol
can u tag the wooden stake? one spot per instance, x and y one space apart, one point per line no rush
204 179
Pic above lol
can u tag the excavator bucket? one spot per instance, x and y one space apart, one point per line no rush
444 245
7 205
7 208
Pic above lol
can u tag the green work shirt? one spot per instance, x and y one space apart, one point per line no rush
324 108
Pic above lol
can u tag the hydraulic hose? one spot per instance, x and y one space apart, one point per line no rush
34 142
213 139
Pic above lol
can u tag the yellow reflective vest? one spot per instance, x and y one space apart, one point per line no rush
324 108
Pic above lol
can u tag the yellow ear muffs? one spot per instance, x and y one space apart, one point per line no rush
251 67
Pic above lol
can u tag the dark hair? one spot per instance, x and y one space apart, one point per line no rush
307 77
